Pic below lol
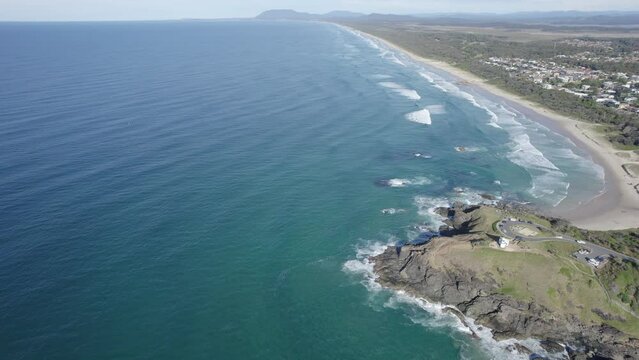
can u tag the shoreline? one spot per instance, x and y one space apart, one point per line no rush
617 206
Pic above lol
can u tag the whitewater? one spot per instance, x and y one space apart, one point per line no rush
191 190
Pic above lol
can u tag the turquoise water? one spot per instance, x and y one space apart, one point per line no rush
209 190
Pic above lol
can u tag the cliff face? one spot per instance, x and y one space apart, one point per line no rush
415 269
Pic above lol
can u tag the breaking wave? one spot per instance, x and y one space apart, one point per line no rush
399 89
392 211
398 183
363 266
549 184
427 205
420 117
434 315
436 109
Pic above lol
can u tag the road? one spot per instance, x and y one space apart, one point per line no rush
506 228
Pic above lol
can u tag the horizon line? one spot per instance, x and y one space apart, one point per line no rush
415 14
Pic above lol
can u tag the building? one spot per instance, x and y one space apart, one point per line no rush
503 242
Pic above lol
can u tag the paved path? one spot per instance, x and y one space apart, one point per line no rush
506 228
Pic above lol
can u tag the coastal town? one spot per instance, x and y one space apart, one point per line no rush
618 90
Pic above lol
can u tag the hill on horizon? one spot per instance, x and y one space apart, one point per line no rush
572 17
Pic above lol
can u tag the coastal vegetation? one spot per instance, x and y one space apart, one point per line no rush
623 241
592 79
535 287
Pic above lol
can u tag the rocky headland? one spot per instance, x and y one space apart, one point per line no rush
526 291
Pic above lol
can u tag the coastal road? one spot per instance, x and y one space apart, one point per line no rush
506 227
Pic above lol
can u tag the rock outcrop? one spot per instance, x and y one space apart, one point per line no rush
409 268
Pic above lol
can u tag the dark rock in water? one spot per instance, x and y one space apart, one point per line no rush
382 183
522 349
461 317
423 238
443 212
537 357
519 348
551 346
488 197
470 208
478 296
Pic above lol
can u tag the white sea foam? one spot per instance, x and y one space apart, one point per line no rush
384 51
397 183
363 266
527 155
428 77
421 180
392 211
393 57
548 181
427 205
390 85
433 315
401 90
436 109
549 184
423 156
464 149
441 88
420 117
410 94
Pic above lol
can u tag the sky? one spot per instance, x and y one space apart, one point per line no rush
60 10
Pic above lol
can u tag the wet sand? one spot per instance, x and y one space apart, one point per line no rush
617 206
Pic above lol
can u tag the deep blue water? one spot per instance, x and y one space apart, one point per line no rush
202 190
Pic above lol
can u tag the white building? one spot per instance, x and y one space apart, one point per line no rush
503 242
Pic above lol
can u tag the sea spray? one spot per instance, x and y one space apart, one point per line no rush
420 117
401 90
434 315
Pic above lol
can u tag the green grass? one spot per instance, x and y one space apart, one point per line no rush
495 230
561 248
553 279
534 218
627 277
486 219
566 272
619 146
516 291
629 327
603 129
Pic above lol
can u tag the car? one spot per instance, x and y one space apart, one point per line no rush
580 242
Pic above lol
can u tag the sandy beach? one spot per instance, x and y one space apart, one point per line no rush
617 207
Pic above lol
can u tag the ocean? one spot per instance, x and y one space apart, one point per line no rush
209 190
